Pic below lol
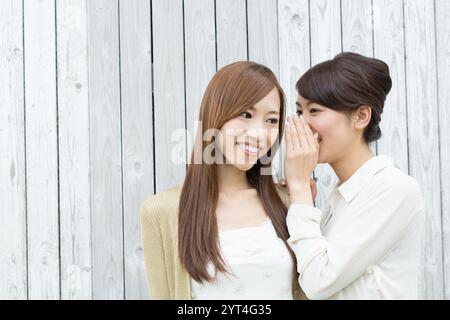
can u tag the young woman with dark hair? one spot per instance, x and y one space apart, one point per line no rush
223 233
367 243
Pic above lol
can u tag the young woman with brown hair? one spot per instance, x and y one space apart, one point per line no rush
223 234
367 243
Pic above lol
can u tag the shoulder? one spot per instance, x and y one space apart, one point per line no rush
161 207
394 183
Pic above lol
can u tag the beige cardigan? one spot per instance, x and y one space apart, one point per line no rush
166 278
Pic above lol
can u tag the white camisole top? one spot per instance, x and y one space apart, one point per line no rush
260 262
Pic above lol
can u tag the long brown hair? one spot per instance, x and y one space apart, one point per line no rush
233 89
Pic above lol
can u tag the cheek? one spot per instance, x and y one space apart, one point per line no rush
329 125
271 137
229 131
321 125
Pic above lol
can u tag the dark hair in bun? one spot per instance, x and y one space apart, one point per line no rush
347 82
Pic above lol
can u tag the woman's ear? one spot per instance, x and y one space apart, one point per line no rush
361 117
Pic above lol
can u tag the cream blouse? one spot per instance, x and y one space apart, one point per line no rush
367 243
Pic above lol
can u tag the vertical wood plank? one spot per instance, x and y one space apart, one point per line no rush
74 181
389 46
13 259
200 62
442 11
357 31
294 46
263 33
41 149
357 26
326 39
326 43
105 140
137 134
423 143
263 47
294 50
231 23
169 93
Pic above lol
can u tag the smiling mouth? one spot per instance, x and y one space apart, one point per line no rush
248 149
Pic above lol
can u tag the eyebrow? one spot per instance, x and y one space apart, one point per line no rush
300 106
270 112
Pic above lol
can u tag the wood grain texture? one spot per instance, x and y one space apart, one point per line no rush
74 154
137 134
357 31
263 33
357 26
442 11
169 93
96 97
390 47
294 50
13 244
423 134
231 31
106 153
41 150
200 62
326 43
263 48
294 46
326 39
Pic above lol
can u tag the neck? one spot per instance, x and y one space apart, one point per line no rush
346 166
231 179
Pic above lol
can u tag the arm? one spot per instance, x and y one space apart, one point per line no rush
326 266
153 254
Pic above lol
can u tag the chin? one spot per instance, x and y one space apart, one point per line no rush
244 166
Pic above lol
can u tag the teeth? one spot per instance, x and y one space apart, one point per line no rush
248 148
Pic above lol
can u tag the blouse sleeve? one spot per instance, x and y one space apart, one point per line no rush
153 254
326 266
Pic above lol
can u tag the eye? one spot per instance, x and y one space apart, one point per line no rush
313 110
299 112
273 120
246 115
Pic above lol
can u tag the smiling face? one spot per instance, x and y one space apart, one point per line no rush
249 136
337 135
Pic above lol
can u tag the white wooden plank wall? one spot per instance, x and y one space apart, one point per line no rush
41 150
74 153
96 97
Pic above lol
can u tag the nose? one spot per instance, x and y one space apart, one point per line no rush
307 118
256 131
255 134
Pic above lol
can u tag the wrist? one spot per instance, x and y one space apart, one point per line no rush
299 186
301 194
